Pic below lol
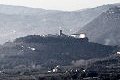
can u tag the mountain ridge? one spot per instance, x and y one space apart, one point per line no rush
18 22
105 28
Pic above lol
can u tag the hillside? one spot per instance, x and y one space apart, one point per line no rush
35 50
105 28
21 21
107 65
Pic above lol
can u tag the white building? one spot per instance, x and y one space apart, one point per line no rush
81 35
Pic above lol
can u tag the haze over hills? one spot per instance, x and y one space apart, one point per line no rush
43 52
105 28
19 21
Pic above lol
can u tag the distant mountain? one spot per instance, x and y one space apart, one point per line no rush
105 28
19 21
35 50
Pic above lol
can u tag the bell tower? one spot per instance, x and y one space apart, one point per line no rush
60 32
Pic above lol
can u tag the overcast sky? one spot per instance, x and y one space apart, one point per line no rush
66 5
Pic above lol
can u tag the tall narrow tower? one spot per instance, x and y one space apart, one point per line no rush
60 32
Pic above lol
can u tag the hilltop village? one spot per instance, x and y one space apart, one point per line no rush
58 38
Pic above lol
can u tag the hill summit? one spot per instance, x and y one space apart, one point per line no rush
51 50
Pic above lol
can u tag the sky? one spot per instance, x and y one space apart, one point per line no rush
65 5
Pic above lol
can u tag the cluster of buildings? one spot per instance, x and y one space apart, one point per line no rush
81 35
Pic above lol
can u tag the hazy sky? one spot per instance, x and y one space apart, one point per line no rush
59 4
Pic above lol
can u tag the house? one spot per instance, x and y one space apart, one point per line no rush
81 35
